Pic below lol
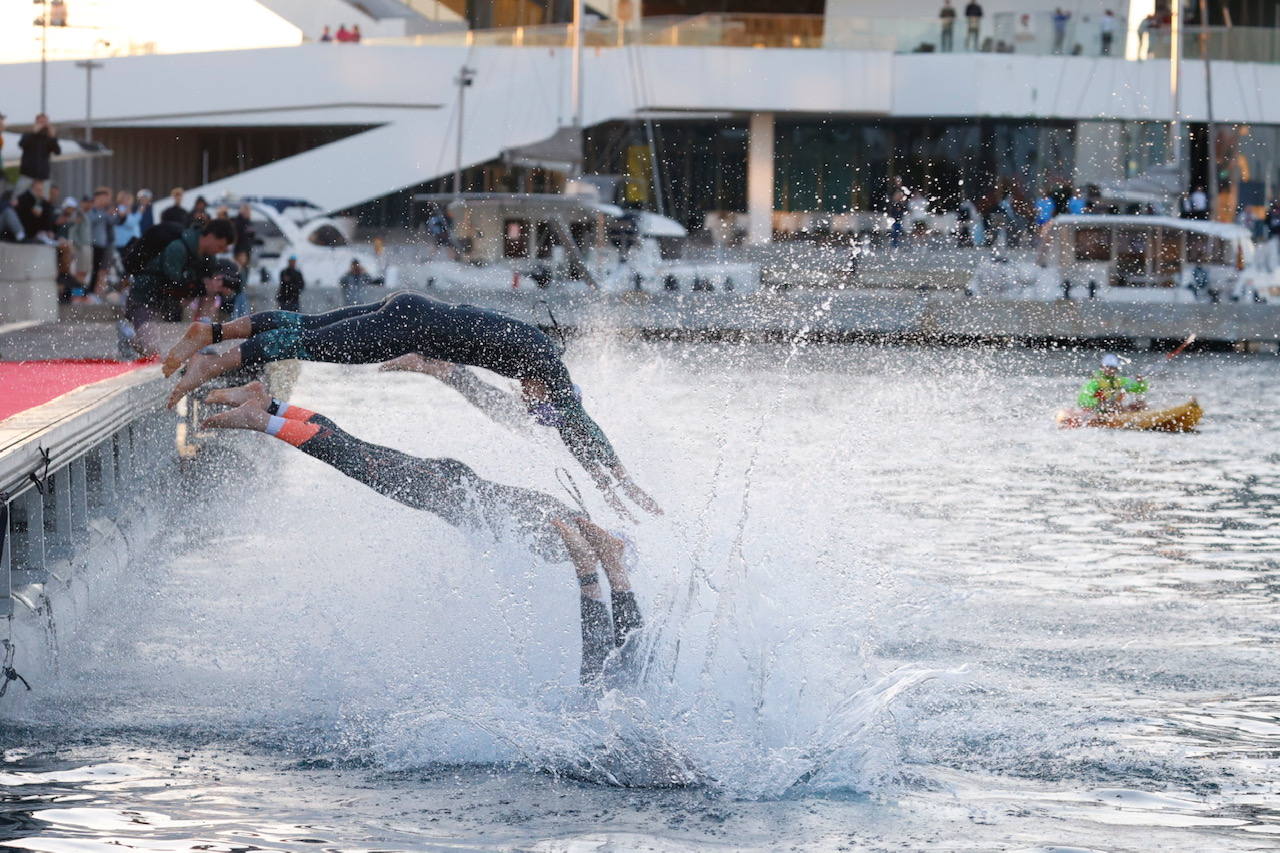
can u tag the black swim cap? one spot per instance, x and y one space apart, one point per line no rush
228 271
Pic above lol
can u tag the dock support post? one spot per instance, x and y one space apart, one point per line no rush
57 512
27 548
6 563
78 502
104 465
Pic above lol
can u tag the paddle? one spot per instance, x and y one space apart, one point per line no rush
1169 356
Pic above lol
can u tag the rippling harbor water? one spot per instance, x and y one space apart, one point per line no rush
891 607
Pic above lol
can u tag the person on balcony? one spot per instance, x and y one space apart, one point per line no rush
973 20
947 22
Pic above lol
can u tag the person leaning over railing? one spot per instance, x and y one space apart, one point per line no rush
169 267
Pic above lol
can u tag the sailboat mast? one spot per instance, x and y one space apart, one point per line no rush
1175 72
577 78
577 63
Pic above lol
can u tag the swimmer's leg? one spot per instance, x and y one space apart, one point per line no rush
611 551
597 639
201 334
440 486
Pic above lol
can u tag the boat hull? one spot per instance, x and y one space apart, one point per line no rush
1176 419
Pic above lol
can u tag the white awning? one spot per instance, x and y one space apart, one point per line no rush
72 149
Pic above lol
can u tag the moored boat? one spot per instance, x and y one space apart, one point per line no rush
1181 418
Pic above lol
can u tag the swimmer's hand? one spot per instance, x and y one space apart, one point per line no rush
610 496
413 363
638 495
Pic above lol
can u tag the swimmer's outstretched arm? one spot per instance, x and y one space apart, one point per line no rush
501 407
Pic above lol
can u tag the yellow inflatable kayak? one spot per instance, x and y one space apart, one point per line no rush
1177 419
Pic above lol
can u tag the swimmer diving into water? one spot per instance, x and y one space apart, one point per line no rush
413 323
450 489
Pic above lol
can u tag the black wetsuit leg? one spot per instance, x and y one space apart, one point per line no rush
266 321
626 616
444 487
597 640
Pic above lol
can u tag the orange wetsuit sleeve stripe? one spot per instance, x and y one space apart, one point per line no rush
297 432
297 413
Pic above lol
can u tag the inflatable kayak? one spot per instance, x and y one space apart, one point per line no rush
1177 419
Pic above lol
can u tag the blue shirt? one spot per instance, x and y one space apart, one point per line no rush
1045 209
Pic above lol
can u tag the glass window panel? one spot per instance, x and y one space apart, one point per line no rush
1168 259
1093 244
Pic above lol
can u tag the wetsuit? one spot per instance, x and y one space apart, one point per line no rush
452 490
411 322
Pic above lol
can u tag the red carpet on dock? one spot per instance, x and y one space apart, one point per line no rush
27 384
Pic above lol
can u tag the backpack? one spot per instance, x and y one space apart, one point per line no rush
145 249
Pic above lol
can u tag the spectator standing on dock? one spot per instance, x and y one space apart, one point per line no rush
896 208
326 36
353 283
1107 31
176 213
344 34
101 231
38 147
947 23
200 216
355 34
1060 19
146 214
128 220
80 235
289 296
973 21
245 232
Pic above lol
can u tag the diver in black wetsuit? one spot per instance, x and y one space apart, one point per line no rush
411 322
453 491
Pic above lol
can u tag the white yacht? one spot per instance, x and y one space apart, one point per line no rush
515 241
322 245
1120 258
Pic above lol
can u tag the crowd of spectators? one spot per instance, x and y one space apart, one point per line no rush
344 34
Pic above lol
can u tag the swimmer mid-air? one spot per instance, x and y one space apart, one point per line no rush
453 491
413 323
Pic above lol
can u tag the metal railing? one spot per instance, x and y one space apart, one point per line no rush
1035 34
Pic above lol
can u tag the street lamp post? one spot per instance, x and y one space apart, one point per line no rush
89 67
44 45
463 80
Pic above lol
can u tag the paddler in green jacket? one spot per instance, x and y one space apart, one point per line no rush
1105 390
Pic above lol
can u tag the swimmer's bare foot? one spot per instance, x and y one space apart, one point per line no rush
200 369
251 415
255 391
414 363
198 336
